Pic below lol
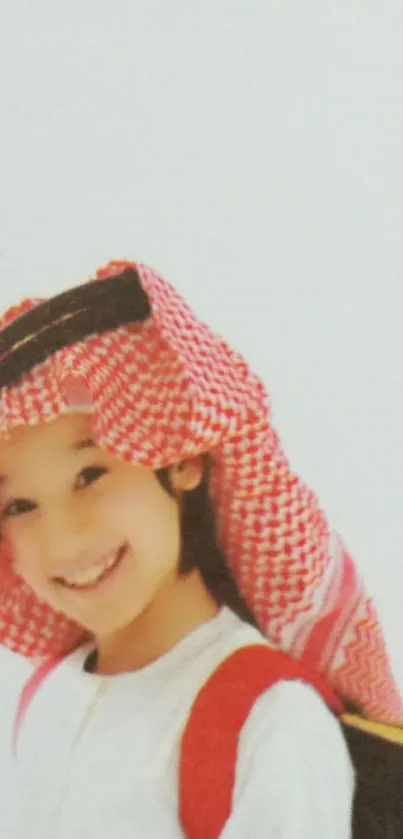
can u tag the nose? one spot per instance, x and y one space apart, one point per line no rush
65 536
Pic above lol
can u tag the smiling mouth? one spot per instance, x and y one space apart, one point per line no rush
91 577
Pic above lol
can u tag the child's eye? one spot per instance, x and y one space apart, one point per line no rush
18 507
89 475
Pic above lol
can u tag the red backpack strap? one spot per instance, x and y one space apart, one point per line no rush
210 740
30 688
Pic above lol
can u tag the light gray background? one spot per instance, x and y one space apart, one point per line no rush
251 151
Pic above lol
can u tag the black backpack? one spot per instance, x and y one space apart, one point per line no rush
209 748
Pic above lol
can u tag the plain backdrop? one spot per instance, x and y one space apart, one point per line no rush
252 152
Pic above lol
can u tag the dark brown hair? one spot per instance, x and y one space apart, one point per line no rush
200 546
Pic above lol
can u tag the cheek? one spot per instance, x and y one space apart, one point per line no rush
26 560
147 516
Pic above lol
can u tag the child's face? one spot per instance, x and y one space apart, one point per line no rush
95 537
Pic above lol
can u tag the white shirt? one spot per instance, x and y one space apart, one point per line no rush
98 755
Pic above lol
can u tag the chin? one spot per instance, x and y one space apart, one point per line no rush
112 624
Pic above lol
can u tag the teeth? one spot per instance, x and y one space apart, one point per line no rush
90 575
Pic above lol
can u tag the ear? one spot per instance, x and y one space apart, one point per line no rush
188 474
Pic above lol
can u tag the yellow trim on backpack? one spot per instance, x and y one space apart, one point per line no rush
386 732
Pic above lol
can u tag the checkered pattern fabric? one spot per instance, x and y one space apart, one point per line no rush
170 388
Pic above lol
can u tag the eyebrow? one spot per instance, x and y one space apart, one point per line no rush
78 446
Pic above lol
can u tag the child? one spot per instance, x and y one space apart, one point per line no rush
142 488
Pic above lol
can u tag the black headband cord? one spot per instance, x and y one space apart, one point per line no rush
88 309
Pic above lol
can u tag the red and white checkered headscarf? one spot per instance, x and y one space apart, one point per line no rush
167 389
